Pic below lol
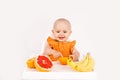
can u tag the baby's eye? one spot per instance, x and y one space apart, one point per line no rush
65 31
58 31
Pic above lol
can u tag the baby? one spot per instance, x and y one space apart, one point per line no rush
58 44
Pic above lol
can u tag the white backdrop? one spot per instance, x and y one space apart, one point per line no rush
25 24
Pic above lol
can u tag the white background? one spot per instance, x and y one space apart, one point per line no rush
24 25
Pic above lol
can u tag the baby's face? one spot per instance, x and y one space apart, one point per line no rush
61 31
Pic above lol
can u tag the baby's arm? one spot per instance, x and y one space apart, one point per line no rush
48 51
75 55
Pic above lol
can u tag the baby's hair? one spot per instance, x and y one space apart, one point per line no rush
62 20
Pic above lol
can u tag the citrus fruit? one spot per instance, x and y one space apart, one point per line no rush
52 58
43 63
30 62
63 60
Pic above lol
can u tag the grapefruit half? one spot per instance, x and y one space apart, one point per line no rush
43 63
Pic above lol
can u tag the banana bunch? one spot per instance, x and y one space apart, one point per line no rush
85 65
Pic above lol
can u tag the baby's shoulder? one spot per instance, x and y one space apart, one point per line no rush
72 42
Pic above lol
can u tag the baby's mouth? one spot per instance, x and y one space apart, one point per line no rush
61 38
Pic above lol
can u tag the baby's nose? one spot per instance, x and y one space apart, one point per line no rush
61 33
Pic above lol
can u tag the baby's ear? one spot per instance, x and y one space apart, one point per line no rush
70 32
52 31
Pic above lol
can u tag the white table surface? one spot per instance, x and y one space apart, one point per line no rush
58 72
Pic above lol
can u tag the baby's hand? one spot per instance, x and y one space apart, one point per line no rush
56 54
73 57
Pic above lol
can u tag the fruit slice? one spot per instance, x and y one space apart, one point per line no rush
63 60
30 62
43 63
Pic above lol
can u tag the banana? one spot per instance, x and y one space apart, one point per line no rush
90 65
85 60
71 63
85 65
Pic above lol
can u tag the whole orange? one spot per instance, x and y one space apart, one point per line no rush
63 60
